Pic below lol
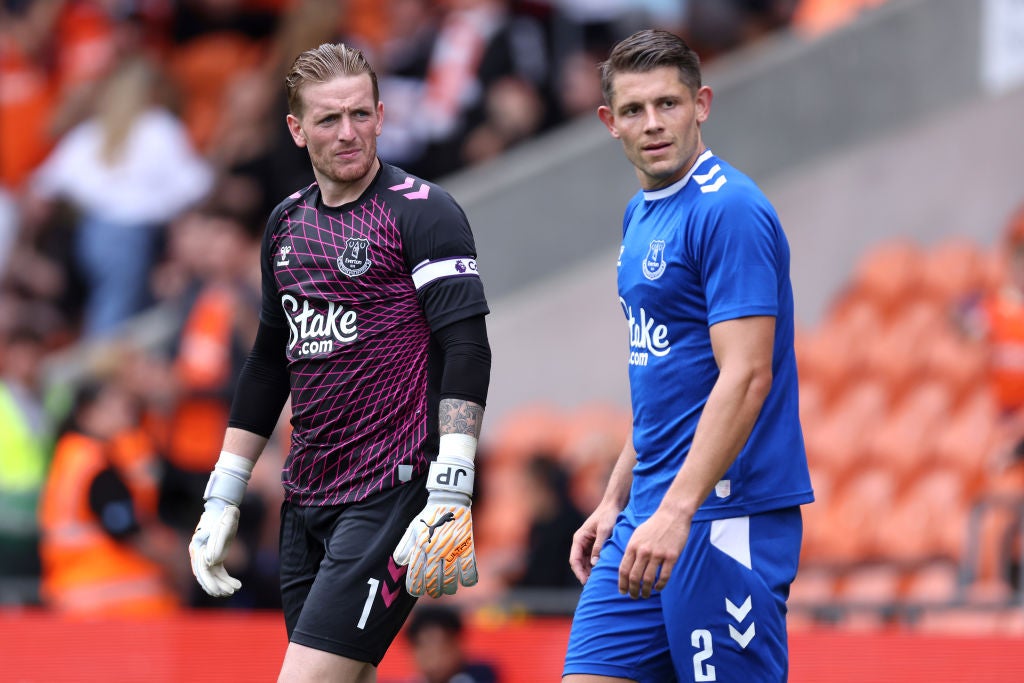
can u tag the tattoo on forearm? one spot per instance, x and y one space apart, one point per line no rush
460 417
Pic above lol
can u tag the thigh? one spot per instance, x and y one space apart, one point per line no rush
612 634
726 605
357 601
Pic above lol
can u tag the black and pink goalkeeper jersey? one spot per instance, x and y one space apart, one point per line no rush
360 287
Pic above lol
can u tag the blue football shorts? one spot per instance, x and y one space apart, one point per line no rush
722 616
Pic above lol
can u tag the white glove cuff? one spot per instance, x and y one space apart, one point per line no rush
461 446
229 478
451 474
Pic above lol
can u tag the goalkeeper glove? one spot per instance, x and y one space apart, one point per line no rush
438 544
219 524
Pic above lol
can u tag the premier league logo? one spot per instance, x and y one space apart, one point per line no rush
654 264
355 261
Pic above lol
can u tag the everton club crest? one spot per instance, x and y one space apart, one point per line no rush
654 263
355 260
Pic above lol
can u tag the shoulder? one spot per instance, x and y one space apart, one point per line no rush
300 196
721 184
410 193
725 194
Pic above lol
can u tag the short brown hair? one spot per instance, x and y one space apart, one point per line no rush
322 64
648 50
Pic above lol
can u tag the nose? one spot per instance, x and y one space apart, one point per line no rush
345 128
652 122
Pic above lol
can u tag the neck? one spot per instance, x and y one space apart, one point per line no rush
335 194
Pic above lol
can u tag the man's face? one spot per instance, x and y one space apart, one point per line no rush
437 654
658 120
339 126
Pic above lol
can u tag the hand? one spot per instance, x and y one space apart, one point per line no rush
219 524
651 554
589 539
438 544
210 543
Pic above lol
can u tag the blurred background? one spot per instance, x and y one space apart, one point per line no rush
889 134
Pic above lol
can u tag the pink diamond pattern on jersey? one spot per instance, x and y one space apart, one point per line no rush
357 352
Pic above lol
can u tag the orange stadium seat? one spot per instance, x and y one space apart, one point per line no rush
525 431
812 401
952 269
966 438
826 357
995 267
888 274
896 354
836 441
857 315
813 585
856 513
955 360
873 584
933 583
903 441
928 519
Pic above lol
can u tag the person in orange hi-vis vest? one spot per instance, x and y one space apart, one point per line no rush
997 317
102 551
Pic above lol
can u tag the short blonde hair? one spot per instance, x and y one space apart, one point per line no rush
324 63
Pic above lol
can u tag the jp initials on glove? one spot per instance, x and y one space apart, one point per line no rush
438 544
219 524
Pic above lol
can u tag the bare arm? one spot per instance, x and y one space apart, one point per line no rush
590 538
244 443
457 416
616 493
743 351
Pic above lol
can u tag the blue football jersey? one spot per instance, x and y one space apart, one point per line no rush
707 249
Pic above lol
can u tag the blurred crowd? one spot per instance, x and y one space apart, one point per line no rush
142 146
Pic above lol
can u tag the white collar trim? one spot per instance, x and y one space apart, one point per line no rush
678 185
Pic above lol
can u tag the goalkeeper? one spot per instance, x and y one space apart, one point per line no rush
372 322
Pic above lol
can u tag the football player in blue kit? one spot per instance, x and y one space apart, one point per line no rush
688 558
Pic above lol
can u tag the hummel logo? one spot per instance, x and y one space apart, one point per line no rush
408 184
703 178
444 519
283 261
739 613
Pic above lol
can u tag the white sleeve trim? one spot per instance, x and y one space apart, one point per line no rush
428 271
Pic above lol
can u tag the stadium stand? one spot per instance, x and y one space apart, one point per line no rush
917 522
918 507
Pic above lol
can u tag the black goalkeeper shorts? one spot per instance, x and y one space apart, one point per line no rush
340 589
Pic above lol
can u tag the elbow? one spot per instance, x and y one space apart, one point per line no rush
759 383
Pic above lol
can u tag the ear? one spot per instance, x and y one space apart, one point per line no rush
608 119
380 118
295 128
703 103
